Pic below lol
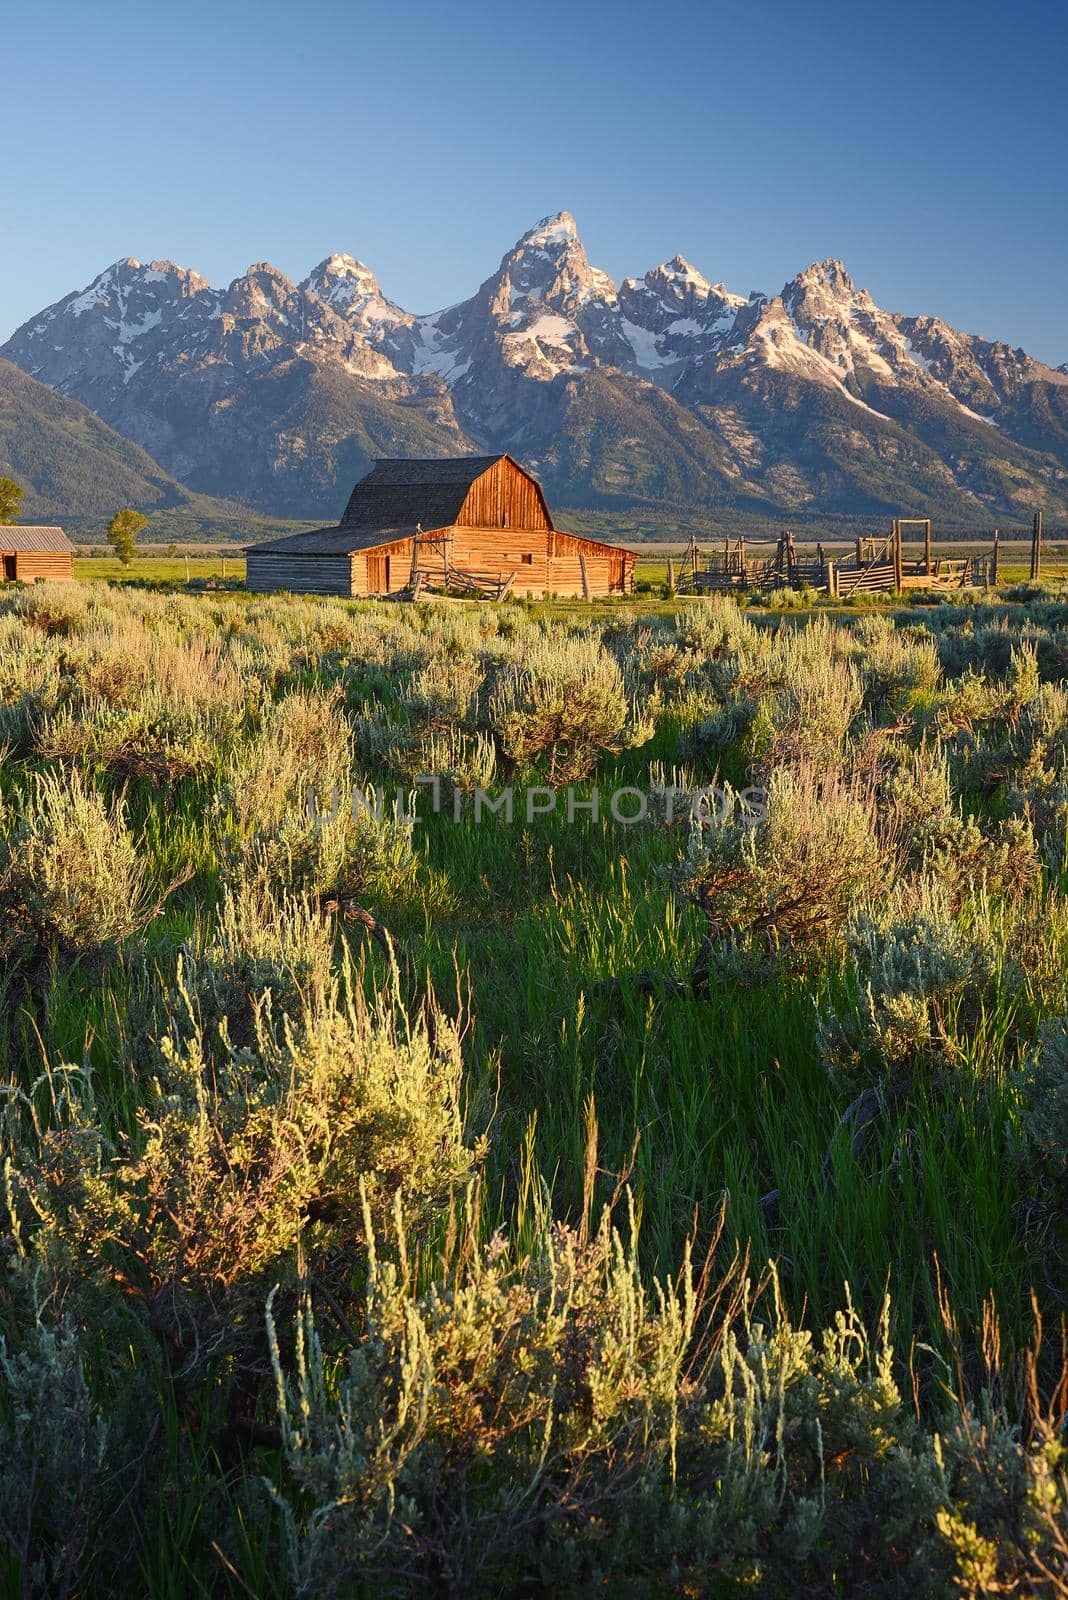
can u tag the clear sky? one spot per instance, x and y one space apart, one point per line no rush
924 144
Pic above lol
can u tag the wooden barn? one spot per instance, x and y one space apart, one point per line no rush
460 523
30 552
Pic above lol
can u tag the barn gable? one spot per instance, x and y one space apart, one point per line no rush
462 491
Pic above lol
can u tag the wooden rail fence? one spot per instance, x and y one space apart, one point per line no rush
874 565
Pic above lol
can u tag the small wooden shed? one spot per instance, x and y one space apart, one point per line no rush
453 519
29 551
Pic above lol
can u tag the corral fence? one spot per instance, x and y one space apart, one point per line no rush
871 564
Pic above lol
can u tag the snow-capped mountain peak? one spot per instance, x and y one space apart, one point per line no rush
341 265
549 263
559 229
674 315
351 288
831 274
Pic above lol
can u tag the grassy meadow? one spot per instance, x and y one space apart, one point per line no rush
635 1163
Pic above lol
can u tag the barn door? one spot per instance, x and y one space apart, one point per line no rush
377 574
615 571
9 569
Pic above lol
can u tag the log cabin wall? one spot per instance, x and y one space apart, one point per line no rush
384 569
493 553
267 572
609 568
487 553
32 564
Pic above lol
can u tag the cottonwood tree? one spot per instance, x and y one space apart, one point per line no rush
10 499
123 532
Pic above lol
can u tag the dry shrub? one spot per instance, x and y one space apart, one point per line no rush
969 703
114 673
55 608
71 878
541 1419
562 706
238 1154
500 1414
30 682
786 880
152 741
716 627
916 791
896 665
1043 1082
134 701
445 695
924 978
808 722
256 945
293 818
53 1440
432 728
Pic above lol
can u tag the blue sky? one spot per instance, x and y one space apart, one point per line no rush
924 144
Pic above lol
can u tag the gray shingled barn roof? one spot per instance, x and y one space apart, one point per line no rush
25 538
332 541
389 503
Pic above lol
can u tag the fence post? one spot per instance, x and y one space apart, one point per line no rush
832 580
994 563
927 547
1036 547
897 556
585 578
671 576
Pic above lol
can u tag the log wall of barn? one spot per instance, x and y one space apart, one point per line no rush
490 554
267 572
368 567
493 553
31 564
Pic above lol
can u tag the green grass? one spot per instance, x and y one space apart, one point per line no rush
158 569
540 931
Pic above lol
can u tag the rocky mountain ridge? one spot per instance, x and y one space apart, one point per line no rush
665 390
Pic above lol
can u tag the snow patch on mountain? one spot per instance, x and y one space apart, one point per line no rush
643 343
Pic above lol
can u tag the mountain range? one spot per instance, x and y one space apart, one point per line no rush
663 392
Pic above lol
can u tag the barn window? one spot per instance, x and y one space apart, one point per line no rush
528 561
